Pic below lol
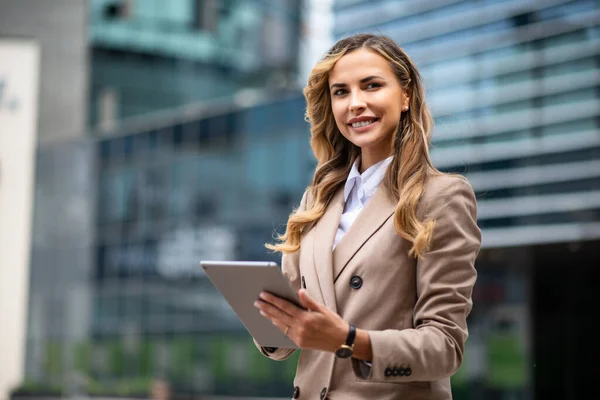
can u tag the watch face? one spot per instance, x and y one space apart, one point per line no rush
343 352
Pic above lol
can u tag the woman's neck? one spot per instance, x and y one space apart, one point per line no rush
367 160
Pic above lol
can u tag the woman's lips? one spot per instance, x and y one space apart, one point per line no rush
364 128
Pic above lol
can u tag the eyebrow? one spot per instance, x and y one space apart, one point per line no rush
363 80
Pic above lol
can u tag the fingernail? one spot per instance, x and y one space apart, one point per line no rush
263 313
257 304
263 295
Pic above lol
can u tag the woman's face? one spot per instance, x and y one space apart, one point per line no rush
367 101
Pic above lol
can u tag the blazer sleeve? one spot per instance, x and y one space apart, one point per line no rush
446 274
291 269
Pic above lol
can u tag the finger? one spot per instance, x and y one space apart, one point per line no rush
307 301
273 312
267 315
282 327
278 323
288 307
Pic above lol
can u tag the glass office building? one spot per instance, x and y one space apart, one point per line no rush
152 55
514 87
208 188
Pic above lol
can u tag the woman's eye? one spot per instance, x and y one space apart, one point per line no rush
339 92
373 85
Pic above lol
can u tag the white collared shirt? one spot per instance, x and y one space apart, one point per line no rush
358 191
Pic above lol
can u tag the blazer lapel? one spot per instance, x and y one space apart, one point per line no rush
324 236
377 211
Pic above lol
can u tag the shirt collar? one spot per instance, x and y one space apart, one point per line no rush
370 179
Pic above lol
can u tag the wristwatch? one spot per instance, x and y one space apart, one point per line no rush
347 348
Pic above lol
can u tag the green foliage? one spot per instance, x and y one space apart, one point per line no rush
108 371
261 365
53 361
94 388
507 361
116 364
218 362
83 357
122 387
182 361
29 387
146 359
133 387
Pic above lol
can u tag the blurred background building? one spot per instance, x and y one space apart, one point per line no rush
171 132
151 56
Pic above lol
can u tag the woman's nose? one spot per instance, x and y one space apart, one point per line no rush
356 102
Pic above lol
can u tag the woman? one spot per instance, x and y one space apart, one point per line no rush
383 245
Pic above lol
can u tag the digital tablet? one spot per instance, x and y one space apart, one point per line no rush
240 283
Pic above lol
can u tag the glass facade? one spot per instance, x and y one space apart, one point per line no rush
209 188
514 88
150 55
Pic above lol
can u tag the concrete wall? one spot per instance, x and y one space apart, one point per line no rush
59 26
19 65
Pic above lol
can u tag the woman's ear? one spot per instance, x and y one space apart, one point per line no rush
405 103
407 94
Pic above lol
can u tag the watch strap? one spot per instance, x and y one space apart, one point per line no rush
351 336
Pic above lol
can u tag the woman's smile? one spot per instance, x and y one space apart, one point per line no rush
363 124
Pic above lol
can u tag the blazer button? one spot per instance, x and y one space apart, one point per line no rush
408 371
388 371
323 393
296 392
395 372
356 282
401 371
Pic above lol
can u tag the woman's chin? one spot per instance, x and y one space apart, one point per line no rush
365 142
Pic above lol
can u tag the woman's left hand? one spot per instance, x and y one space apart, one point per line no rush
315 328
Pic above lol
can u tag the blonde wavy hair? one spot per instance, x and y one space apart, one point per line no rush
405 178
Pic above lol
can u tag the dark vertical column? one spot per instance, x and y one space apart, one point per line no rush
565 308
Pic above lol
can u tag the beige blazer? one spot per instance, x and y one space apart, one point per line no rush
414 311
